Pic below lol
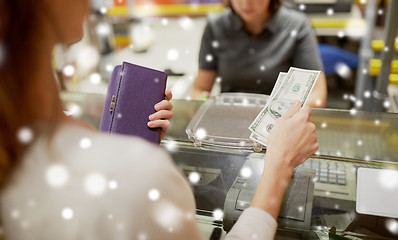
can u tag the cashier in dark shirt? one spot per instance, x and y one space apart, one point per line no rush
247 45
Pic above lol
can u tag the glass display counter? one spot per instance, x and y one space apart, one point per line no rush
322 200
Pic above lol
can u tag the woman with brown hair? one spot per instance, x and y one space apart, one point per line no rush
246 46
62 180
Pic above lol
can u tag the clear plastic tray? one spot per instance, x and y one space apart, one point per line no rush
223 121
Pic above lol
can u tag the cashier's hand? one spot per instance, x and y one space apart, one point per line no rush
293 139
162 115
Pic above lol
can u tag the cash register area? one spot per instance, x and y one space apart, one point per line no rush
347 190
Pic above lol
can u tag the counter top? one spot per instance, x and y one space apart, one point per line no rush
348 140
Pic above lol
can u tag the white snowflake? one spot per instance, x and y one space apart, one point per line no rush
95 78
109 67
69 70
85 143
15 213
215 44
67 213
194 177
103 10
209 57
343 70
112 184
327 193
392 226
330 11
103 29
172 54
165 21
218 214
245 172
200 133
142 236
300 208
25 135
171 145
386 104
57 175
186 23
95 184
154 194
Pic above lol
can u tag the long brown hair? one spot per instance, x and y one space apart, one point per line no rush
274 5
19 22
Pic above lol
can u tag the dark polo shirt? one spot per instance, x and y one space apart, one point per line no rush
251 63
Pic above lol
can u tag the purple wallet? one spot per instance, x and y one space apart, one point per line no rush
132 94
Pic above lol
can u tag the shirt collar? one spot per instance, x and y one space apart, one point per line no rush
273 25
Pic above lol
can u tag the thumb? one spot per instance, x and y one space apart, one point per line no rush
292 110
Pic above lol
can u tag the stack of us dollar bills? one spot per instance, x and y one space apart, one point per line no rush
296 84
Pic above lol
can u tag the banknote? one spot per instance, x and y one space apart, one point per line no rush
297 84
279 81
278 84
262 140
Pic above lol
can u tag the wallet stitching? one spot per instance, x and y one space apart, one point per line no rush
117 97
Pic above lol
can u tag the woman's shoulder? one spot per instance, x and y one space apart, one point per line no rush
96 176
99 147
291 16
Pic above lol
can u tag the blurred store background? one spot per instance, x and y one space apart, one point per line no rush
354 39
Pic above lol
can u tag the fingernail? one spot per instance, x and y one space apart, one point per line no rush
150 124
296 103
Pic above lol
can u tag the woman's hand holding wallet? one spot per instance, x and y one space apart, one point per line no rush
161 118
